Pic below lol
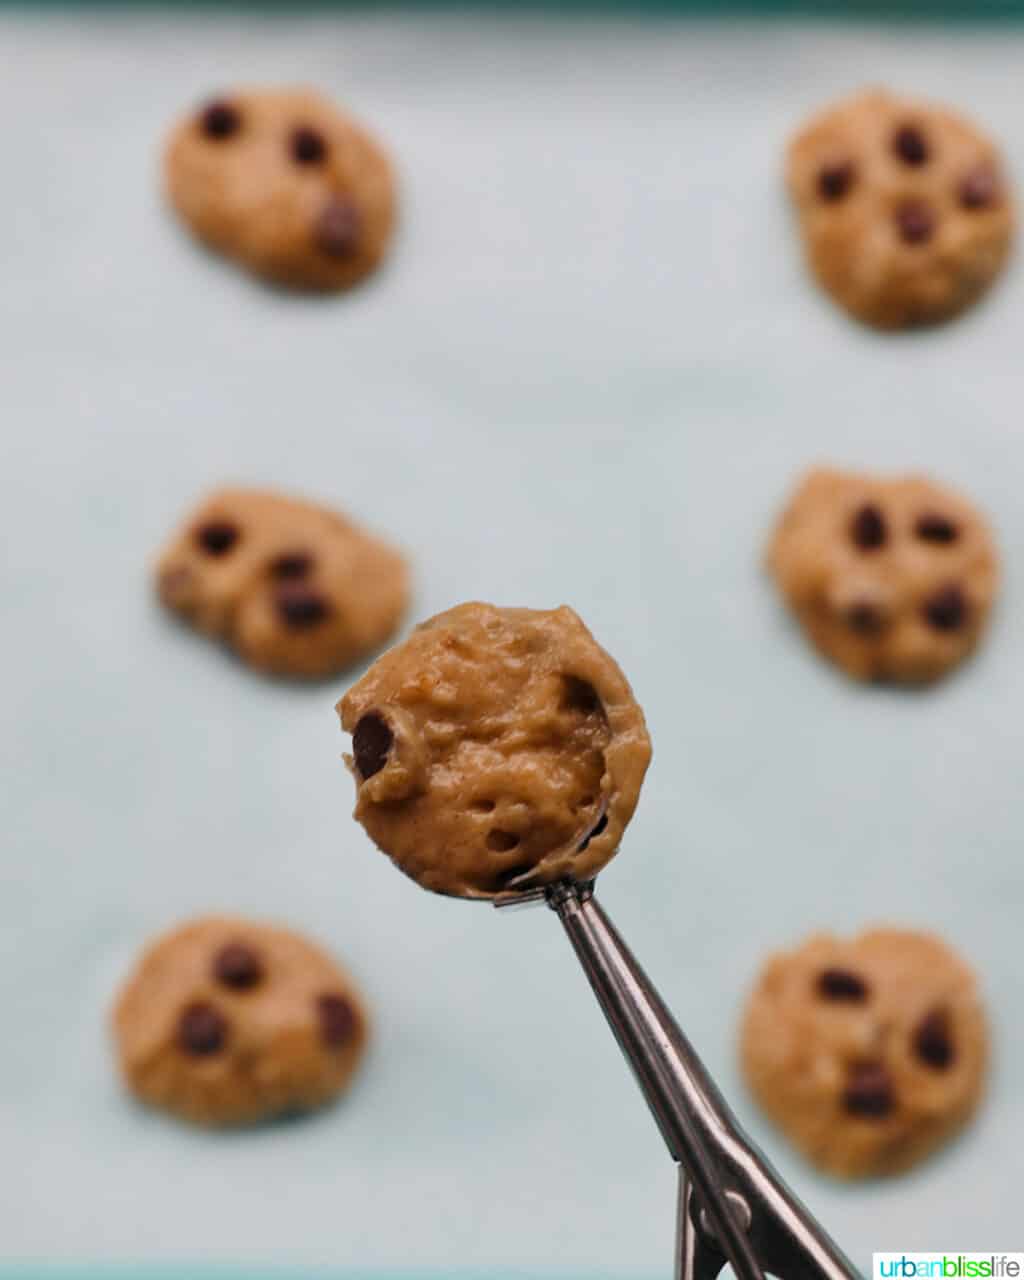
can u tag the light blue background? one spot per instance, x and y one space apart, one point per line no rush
590 374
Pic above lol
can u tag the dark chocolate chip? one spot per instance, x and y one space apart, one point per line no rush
238 966
299 606
202 1030
865 618
499 841
835 180
979 189
596 830
336 230
868 528
337 1019
220 120
371 742
934 527
579 695
946 609
933 1040
309 146
915 222
910 145
869 1091
217 537
841 984
293 564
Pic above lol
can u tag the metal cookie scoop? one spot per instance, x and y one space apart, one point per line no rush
733 1206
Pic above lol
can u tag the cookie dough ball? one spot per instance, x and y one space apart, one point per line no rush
867 1054
295 588
227 1022
891 578
284 183
906 213
496 750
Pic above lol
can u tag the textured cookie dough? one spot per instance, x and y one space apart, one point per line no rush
496 750
227 1022
891 578
904 207
295 588
284 183
867 1053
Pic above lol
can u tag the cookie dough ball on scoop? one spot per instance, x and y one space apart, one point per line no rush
496 750
229 1022
867 1053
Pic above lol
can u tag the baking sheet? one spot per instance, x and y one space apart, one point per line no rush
590 373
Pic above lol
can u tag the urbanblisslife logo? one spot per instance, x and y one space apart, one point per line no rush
948 1266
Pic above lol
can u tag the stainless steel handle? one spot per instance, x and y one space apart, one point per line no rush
732 1205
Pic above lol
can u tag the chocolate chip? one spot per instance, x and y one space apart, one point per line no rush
579 695
868 528
946 609
915 222
933 527
835 180
865 618
979 189
841 984
293 564
300 607
933 1040
309 146
910 145
337 1019
217 537
371 742
596 830
869 1091
238 966
220 120
336 230
499 841
202 1030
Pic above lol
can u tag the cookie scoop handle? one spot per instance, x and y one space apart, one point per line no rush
733 1206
